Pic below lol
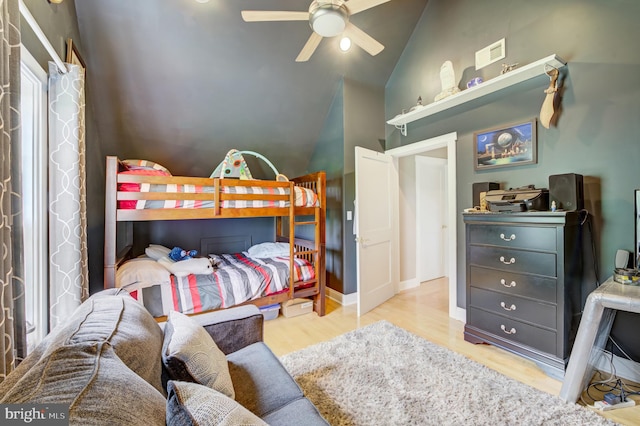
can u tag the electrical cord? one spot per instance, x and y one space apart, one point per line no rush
623 353
586 219
609 384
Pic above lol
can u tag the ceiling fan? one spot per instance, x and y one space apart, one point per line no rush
327 18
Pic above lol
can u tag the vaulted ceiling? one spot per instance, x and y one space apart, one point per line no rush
182 82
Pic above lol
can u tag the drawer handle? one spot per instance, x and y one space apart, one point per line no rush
511 238
507 262
503 328
508 308
504 283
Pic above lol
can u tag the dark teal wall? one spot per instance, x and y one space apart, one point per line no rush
364 127
356 118
597 131
363 120
58 22
329 156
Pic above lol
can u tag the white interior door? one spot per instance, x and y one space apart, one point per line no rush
376 228
431 213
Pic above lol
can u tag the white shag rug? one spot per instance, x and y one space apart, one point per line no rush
384 375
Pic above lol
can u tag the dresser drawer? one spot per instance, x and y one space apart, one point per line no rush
533 286
516 331
514 260
526 237
515 307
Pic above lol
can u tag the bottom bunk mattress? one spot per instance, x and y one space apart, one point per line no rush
236 278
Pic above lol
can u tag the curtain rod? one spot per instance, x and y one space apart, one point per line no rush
42 37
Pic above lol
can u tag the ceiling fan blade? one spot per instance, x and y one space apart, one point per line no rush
309 47
362 39
273 15
355 6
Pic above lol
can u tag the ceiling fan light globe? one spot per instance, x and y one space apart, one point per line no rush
345 44
329 20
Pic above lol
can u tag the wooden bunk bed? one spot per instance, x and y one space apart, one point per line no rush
222 200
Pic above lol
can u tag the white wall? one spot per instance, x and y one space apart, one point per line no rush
407 194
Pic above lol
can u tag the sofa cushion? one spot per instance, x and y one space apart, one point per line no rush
94 382
114 316
192 404
261 382
298 412
190 354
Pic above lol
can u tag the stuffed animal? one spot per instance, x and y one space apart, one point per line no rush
197 266
176 254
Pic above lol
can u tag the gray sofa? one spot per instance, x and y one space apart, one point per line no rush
105 363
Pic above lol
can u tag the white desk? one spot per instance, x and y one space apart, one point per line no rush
599 312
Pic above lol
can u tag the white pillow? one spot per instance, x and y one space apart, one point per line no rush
156 251
142 270
263 250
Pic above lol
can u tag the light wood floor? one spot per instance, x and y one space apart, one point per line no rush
424 312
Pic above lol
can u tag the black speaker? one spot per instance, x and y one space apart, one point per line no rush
479 187
567 190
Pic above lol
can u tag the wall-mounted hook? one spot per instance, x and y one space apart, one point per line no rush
551 71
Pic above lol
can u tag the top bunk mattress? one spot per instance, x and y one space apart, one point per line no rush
303 197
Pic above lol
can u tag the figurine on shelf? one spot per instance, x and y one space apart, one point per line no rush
448 81
474 82
508 67
418 104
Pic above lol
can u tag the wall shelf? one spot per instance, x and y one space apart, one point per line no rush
488 87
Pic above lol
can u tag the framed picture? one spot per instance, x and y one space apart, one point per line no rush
73 56
509 145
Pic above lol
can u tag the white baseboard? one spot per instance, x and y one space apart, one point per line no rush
407 284
460 314
352 298
343 299
624 368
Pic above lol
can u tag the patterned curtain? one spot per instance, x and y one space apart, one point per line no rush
12 310
68 269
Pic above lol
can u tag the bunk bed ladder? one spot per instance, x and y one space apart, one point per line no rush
317 254
314 255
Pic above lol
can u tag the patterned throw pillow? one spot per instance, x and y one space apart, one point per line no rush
191 404
190 354
132 164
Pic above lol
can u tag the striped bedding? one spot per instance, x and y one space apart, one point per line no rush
304 197
239 278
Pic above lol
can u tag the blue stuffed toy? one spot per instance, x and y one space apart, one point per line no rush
177 254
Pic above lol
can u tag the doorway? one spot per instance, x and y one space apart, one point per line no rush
442 146
430 217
